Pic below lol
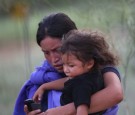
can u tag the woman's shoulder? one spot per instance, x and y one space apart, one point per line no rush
110 69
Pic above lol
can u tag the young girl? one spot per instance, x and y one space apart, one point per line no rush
84 54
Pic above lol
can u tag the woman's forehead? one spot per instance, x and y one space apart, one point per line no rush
50 43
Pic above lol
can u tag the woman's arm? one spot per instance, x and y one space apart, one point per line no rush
111 95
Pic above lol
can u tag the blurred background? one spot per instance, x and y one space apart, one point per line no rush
19 53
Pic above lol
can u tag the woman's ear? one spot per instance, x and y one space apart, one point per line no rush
90 64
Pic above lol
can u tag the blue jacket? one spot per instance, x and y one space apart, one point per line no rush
43 74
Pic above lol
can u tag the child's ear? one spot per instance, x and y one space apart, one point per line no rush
90 64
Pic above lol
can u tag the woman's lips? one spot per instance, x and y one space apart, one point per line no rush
59 67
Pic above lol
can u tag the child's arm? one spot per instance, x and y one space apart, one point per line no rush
82 110
39 93
53 85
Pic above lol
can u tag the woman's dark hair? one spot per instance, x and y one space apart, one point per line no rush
87 45
54 25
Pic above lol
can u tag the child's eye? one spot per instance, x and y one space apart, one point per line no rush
71 65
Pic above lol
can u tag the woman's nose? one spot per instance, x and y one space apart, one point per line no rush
54 58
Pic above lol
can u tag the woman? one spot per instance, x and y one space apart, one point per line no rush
49 35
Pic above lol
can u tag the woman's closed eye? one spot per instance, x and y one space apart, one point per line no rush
46 52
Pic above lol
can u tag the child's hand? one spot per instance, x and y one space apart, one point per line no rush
38 94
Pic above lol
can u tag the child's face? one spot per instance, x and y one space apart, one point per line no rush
72 66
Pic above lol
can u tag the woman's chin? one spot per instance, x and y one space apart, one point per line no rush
59 69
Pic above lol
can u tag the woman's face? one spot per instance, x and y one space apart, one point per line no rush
50 47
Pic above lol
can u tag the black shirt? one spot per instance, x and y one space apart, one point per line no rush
80 88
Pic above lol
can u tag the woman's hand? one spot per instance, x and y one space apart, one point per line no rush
53 111
35 112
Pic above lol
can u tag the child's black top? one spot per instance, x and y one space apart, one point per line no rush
80 88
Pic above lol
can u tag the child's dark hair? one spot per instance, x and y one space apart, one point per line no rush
54 25
87 45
